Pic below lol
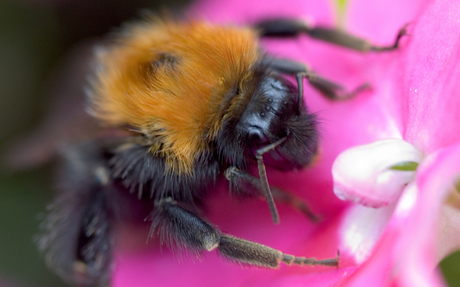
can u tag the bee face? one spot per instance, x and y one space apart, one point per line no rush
274 113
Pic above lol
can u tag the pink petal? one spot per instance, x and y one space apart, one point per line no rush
243 12
430 93
364 17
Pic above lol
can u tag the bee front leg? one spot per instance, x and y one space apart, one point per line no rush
181 228
244 184
280 27
327 88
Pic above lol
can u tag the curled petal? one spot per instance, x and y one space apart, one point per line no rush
408 250
374 175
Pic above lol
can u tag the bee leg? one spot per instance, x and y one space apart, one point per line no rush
180 227
292 28
75 235
327 88
243 251
244 184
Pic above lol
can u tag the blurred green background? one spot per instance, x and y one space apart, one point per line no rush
34 36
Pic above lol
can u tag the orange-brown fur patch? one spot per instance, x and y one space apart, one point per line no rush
172 80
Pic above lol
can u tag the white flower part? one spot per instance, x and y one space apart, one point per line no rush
363 174
361 228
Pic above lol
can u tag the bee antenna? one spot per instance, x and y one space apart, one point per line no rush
264 180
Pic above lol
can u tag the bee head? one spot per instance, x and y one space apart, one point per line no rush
275 113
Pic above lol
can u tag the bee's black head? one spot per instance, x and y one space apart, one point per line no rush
272 127
273 113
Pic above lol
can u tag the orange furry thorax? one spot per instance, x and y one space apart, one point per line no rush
174 82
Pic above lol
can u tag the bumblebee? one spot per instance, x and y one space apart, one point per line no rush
197 102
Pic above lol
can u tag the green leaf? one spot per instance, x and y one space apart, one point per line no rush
405 166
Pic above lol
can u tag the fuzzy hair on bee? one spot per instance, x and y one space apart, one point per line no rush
199 102
177 84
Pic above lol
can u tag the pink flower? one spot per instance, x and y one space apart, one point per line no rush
423 223
413 99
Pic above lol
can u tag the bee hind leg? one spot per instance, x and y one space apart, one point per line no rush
76 234
181 228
